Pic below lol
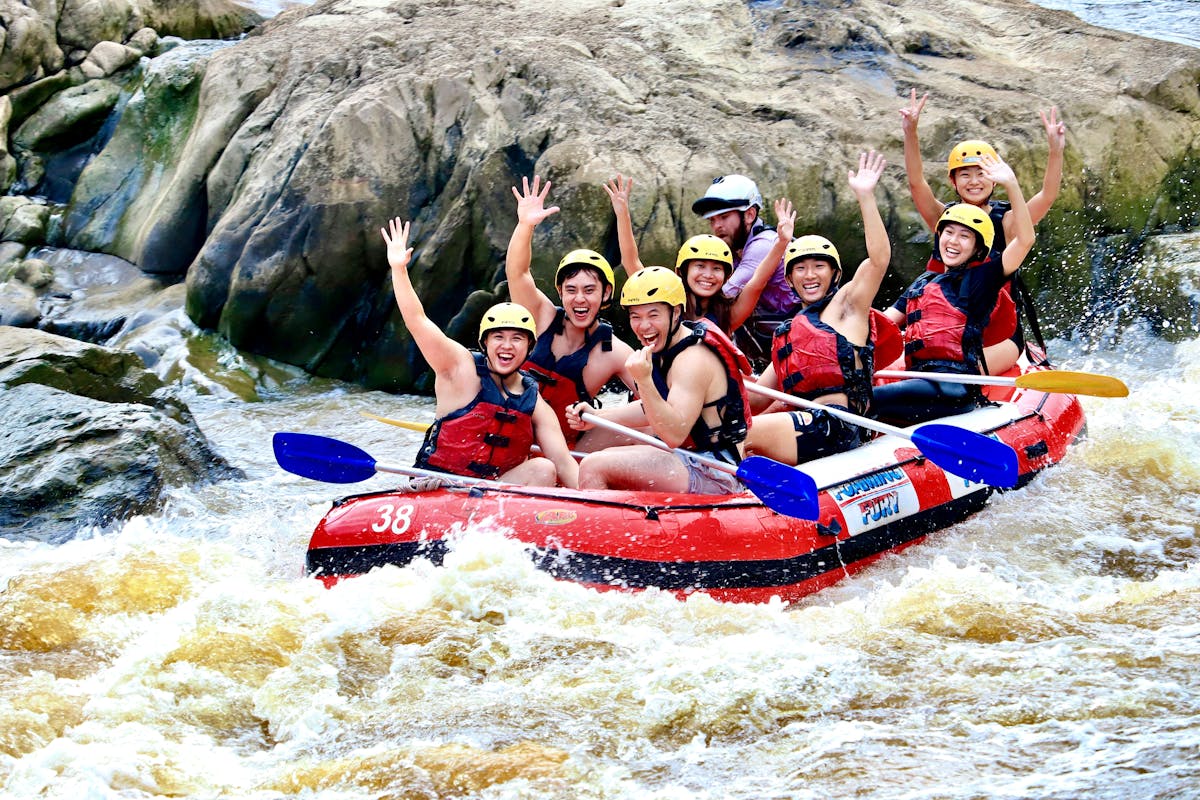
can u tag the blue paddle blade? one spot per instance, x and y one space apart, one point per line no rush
322 458
968 454
784 489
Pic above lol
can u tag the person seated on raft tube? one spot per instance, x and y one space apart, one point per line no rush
576 354
825 353
488 412
689 378
945 312
1003 341
705 263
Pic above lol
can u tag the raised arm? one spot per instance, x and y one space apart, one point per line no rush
747 299
1056 142
443 353
618 192
1023 235
928 206
531 209
860 292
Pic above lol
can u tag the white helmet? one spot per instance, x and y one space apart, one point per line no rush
728 193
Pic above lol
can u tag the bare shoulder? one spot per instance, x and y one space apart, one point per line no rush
697 366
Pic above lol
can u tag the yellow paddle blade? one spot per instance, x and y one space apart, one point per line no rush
1089 383
420 427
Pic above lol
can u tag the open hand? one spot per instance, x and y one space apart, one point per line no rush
618 192
396 238
870 168
531 201
997 171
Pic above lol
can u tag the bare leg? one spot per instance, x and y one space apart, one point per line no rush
596 439
773 436
1001 357
638 467
534 472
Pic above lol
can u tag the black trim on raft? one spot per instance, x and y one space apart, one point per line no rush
696 575
651 511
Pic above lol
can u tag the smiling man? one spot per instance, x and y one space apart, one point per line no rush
488 411
576 353
689 378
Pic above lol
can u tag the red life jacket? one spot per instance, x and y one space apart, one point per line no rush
887 338
560 379
1002 324
733 409
812 359
488 436
939 337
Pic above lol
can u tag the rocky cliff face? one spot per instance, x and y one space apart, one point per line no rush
263 171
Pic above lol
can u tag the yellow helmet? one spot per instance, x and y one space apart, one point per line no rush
705 246
811 246
586 258
653 285
967 154
974 218
507 315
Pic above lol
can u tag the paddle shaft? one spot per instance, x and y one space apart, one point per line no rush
1059 381
948 377
646 438
864 422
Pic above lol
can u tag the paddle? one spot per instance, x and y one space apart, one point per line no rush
323 459
959 451
786 490
421 427
1046 380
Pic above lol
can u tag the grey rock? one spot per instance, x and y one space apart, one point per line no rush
90 437
269 189
23 219
30 50
70 116
18 305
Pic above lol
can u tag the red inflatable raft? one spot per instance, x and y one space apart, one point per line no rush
876 499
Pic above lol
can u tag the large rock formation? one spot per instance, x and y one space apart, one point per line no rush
265 169
89 437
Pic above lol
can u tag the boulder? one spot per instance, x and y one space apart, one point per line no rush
71 116
144 41
34 273
10 253
86 22
23 219
95 297
308 134
90 438
8 165
140 171
18 305
30 50
107 58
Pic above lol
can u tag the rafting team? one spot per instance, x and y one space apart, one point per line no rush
540 364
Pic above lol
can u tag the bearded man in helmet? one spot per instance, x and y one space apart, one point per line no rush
576 354
689 378
945 313
488 412
732 205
